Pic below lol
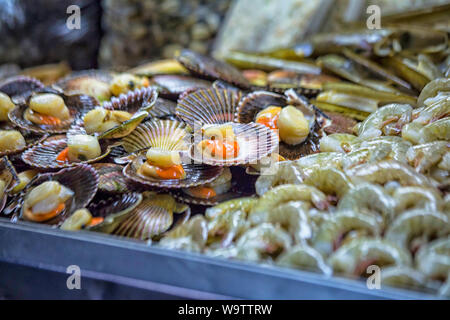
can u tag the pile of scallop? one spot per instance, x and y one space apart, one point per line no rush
328 161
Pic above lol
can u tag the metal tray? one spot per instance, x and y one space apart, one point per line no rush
34 259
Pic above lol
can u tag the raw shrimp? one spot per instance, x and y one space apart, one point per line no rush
407 198
303 256
434 259
365 155
368 198
342 227
320 160
337 142
286 173
432 89
412 132
374 124
290 192
438 130
330 181
353 258
444 164
444 290
191 235
397 146
291 216
412 229
224 228
403 276
424 156
437 108
263 243
245 204
389 170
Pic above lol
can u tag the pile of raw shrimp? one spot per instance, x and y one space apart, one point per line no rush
377 198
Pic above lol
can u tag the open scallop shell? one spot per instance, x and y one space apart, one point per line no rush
149 219
9 175
163 109
138 102
208 106
43 155
254 102
81 179
114 208
255 142
171 86
209 68
20 85
112 180
167 135
77 105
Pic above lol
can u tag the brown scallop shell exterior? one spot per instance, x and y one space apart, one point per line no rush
208 106
20 85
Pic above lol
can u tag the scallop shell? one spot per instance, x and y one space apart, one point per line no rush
20 85
147 220
171 86
163 109
77 105
208 106
254 102
165 134
81 179
255 142
211 69
112 180
9 175
141 99
139 102
43 155
113 208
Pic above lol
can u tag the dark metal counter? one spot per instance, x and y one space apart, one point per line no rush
34 259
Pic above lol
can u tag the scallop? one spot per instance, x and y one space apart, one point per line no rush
50 104
11 140
6 105
83 147
292 125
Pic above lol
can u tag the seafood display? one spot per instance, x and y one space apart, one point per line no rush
331 160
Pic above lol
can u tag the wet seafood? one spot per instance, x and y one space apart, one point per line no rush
434 259
304 257
330 181
6 105
354 257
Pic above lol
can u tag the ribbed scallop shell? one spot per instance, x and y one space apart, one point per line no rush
43 155
77 105
211 69
9 175
20 85
180 195
133 101
165 134
254 102
111 179
171 86
162 109
113 208
208 106
255 142
81 179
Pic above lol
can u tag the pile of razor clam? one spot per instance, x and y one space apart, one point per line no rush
331 156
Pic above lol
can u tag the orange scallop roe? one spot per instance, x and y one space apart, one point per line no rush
172 172
225 149
63 156
95 221
202 192
47 120
269 120
38 217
